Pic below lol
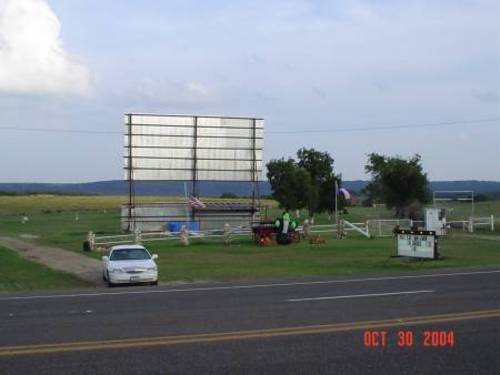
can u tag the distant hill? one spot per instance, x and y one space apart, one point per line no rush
474 185
208 188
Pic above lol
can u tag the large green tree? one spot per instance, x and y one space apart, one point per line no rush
320 167
397 182
290 184
308 182
318 164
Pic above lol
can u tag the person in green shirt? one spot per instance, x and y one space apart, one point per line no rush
286 221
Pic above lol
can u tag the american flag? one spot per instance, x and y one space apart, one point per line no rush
196 203
345 193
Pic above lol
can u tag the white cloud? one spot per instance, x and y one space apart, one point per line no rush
32 58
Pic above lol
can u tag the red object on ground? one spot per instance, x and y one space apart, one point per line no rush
263 232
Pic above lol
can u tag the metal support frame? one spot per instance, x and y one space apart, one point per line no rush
194 178
130 177
255 177
194 175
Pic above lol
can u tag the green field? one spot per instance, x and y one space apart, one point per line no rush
52 221
21 274
213 261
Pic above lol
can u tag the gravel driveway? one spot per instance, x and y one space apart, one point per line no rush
82 266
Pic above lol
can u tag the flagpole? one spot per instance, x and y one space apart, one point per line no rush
187 202
336 211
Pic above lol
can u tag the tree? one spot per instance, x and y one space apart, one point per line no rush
290 184
397 182
320 167
308 182
318 164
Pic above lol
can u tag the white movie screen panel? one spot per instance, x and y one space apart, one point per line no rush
175 147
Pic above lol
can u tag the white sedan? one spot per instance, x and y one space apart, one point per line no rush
130 264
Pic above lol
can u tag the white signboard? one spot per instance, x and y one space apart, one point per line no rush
185 147
417 244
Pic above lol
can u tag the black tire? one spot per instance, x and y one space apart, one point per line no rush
110 284
154 282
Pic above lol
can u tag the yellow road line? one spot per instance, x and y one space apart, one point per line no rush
242 335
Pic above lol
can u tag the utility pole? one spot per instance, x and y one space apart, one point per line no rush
336 208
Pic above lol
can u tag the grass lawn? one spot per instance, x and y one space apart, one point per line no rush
210 260
52 221
22 274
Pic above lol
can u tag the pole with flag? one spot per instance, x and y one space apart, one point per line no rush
187 202
196 203
336 206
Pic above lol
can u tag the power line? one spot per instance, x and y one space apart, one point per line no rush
52 130
389 127
308 131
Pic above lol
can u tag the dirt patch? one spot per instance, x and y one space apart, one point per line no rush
84 267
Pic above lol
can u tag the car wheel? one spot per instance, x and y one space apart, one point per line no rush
110 284
154 282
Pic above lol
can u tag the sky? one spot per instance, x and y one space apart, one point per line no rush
347 77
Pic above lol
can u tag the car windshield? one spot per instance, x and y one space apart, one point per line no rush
129 254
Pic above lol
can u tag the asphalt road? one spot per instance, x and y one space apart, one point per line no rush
310 326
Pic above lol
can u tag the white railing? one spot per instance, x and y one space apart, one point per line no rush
371 228
332 228
487 221
361 228
138 236
385 227
473 222
321 228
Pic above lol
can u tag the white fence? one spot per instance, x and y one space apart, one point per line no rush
370 228
139 237
487 221
470 225
347 227
385 227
